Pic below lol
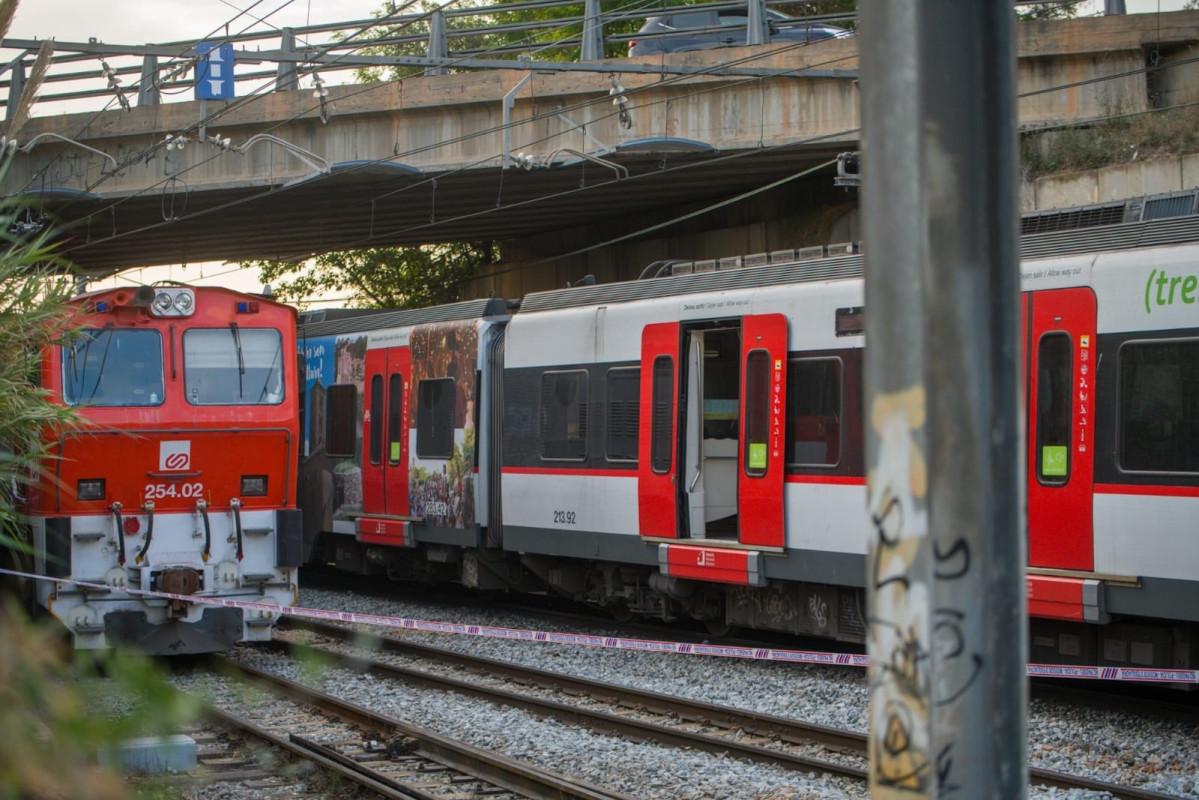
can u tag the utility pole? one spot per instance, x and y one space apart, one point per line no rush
945 569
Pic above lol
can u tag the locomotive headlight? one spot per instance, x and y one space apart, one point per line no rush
163 302
253 485
183 302
90 489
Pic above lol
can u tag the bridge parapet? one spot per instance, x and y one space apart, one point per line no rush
434 140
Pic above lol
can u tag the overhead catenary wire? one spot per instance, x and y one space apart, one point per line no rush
715 70
680 78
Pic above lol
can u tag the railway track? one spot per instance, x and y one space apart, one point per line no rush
386 756
638 715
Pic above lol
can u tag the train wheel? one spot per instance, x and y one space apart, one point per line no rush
719 627
620 611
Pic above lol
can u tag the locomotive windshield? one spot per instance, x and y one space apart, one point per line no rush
233 366
107 367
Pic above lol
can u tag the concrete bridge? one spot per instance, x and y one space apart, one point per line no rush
549 162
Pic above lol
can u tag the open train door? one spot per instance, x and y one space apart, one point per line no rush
657 464
760 474
385 442
1062 364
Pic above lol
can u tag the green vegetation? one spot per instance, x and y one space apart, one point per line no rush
1118 140
381 277
50 729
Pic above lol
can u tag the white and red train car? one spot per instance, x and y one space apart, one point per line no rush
692 445
181 481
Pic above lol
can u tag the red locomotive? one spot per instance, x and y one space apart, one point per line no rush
181 481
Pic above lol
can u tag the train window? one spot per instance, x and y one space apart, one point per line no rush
814 412
1159 406
564 416
342 403
113 367
395 418
757 413
624 413
435 418
376 420
1055 408
233 366
662 428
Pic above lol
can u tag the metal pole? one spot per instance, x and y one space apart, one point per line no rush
147 89
286 78
757 30
16 88
1113 7
947 628
438 45
593 32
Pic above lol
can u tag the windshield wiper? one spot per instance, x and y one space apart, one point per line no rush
241 362
107 329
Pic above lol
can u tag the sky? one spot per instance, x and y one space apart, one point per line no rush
139 22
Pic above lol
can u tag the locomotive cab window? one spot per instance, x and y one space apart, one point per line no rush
564 416
233 366
1159 406
1055 408
814 412
108 367
435 418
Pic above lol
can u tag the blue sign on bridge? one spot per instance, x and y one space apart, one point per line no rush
214 71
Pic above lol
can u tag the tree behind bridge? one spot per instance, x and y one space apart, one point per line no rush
381 277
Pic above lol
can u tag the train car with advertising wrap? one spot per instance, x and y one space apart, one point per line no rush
178 490
692 444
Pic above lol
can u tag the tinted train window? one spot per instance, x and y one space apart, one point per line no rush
624 413
1159 406
108 367
342 402
757 413
435 419
395 418
233 366
662 427
1055 408
814 412
564 416
376 422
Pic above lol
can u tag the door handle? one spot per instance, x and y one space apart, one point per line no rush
694 480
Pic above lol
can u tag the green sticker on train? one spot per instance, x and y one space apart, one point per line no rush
1053 460
395 452
757 456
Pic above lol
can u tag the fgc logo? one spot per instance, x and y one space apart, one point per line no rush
174 456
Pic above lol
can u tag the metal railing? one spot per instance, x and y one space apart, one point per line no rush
572 37
577 33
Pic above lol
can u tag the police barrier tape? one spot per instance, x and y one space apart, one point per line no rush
1130 674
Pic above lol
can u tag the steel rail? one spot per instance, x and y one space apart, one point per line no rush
512 775
777 729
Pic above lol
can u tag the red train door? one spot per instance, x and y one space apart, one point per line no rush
1061 358
657 494
385 432
710 461
763 408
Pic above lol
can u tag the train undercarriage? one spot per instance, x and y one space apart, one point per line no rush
830 612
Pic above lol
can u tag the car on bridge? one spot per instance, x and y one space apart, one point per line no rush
684 31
